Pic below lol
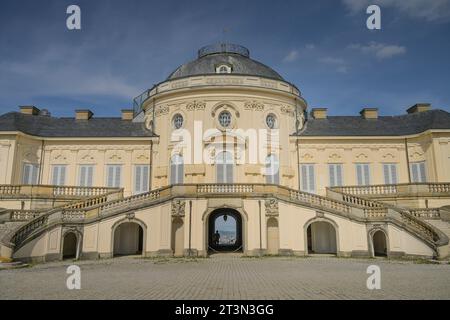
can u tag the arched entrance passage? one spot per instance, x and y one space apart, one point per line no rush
379 244
177 237
273 236
321 237
225 231
128 239
70 246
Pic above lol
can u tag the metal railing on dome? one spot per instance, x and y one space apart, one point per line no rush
139 100
223 47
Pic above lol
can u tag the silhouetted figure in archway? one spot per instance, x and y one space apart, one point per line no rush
216 237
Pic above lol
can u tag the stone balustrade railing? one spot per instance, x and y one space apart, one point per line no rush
24 215
225 188
376 213
73 215
50 191
377 210
80 191
396 189
439 187
319 201
426 213
151 195
9 189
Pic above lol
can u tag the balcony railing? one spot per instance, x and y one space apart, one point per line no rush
51 191
396 189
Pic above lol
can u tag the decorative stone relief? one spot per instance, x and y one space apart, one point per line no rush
389 156
335 157
307 157
130 215
362 156
287 110
78 230
254 106
161 111
271 207
196 105
178 208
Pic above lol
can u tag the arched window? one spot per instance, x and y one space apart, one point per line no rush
224 167
176 169
272 169
223 69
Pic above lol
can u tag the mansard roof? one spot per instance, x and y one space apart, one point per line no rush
382 126
46 126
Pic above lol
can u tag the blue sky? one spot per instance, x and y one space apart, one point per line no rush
323 47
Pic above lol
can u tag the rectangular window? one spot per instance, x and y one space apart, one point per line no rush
141 177
418 172
59 175
86 175
362 174
30 173
390 173
307 179
113 176
335 170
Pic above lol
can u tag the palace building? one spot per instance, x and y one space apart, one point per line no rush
224 156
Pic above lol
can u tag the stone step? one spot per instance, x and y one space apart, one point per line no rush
12 265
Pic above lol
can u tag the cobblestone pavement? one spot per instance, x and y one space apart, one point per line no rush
229 277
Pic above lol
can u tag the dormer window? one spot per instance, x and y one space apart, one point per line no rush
223 68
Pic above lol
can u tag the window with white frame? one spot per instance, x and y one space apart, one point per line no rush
86 176
335 172
223 69
176 169
307 178
114 175
390 173
418 172
30 173
362 174
224 167
141 178
272 169
59 175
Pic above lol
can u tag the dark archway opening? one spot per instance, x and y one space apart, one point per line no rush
70 246
321 237
225 231
128 239
379 244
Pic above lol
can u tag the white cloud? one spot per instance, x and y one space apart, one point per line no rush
380 50
291 56
339 64
310 46
430 10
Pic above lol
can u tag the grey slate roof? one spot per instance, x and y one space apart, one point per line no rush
43 126
383 126
241 65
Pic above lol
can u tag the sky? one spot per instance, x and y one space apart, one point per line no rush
323 47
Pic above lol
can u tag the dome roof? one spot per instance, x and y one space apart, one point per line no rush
238 57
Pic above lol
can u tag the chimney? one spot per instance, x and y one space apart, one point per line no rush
127 114
419 107
369 113
29 110
319 113
83 114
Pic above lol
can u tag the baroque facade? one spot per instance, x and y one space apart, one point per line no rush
224 138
